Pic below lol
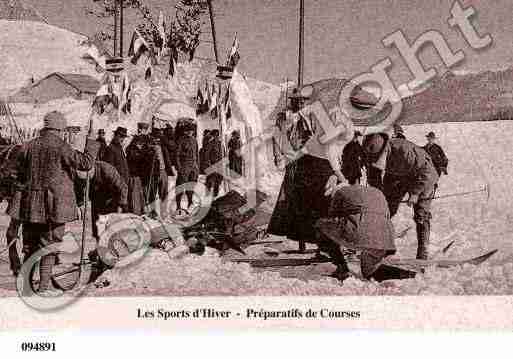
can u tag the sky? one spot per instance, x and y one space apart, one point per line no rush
342 37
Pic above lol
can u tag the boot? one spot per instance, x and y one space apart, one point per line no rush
45 272
423 230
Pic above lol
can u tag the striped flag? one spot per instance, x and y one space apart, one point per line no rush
234 57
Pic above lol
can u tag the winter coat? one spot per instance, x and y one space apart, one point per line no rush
359 219
352 160
169 153
235 159
187 155
438 157
138 157
108 189
103 147
45 169
115 156
411 164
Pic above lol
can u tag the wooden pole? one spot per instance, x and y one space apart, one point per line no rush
302 244
115 27
213 28
301 43
120 28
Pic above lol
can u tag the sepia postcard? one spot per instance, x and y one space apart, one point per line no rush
199 164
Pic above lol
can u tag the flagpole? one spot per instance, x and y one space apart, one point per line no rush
120 28
213 28
115 27
301 43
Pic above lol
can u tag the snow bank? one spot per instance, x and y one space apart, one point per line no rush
33 50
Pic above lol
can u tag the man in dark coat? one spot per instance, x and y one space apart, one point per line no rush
115 155
169 150
407 169
47 200
353 159
157 181
139 168
108 192
214 154
203 157
10 185
187 160
235 160
103 143
437 154
358 219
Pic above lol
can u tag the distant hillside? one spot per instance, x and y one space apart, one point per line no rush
485 96
17 10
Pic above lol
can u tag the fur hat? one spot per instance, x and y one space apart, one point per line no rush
55 120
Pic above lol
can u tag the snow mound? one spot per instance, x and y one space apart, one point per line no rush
32 50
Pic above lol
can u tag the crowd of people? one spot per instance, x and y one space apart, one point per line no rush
47 180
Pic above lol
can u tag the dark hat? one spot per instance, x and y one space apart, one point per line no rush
398 128
214 133
374 143
431 135
101 131
55 120
155 131
121 131
142 125
357 134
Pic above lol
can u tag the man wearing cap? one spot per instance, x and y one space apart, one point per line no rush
115 155
358 219
47 199
407 169
103 143
353 159
437 154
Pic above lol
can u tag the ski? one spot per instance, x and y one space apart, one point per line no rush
419 264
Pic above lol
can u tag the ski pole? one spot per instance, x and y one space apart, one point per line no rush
86 198
484 189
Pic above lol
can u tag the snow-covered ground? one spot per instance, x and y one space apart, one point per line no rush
479 154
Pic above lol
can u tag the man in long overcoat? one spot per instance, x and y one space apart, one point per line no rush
407 169
47 200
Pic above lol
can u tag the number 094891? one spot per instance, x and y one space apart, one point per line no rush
37 347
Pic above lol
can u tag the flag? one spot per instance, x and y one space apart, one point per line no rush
162 29
137 47
213 105
234 57
226 103
3 109
124 94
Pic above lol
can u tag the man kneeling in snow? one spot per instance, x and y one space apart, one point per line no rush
359 220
